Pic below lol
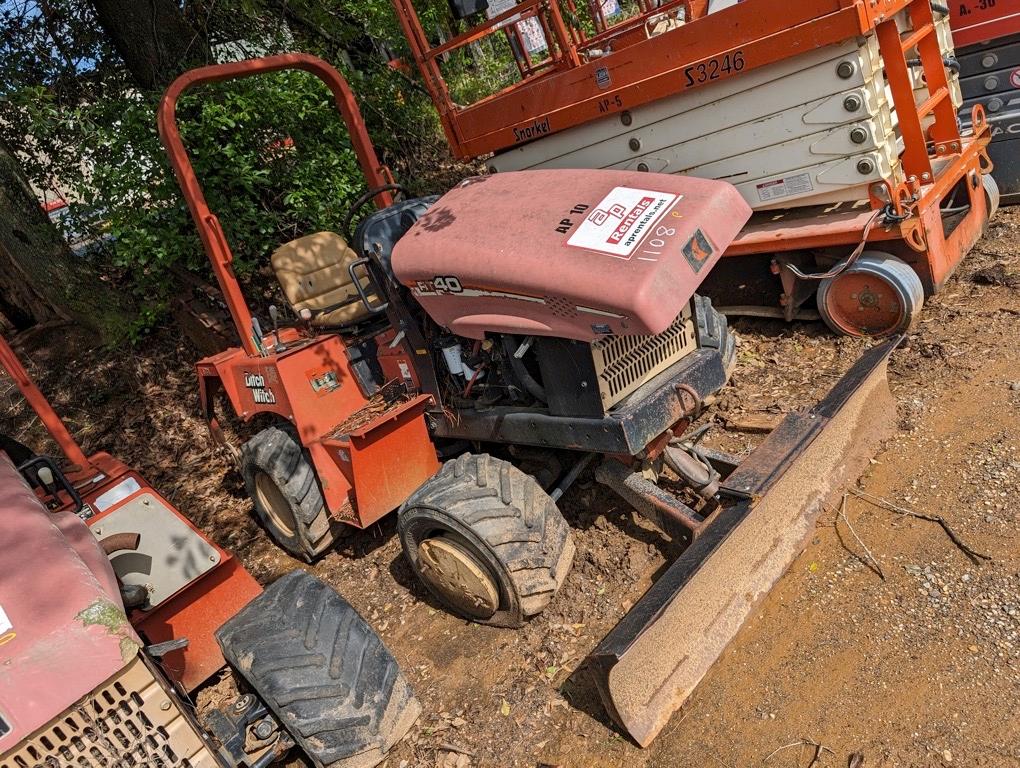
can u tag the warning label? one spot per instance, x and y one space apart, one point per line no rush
1014 78
791 185
621 221
698 250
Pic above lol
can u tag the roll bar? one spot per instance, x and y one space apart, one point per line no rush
213 238
37 402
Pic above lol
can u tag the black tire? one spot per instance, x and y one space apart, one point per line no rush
294 513
502 521
322 671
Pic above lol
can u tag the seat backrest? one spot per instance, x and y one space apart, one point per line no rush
379 232
313 274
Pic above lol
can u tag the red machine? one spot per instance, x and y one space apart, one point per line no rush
522 327
106 493
102 568
617 92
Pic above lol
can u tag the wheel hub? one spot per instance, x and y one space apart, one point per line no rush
458 577
867 298
276 506
878 295
857 303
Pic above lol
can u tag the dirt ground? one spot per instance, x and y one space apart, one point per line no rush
919 668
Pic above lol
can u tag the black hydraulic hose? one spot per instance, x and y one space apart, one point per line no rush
535 389
572 474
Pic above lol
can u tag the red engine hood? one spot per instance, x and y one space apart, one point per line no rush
62 628
569 253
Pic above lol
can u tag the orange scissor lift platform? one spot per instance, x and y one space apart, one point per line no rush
928 215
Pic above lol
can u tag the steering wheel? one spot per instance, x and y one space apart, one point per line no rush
362 201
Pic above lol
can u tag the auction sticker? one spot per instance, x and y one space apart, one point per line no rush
621 221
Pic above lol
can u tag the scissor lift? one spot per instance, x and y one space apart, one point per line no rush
620 92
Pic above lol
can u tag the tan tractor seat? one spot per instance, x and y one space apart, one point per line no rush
313 273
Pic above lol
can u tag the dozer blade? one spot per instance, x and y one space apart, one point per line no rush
654 658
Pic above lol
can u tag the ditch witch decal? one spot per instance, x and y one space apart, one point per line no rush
262 394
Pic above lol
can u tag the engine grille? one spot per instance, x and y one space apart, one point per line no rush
624 363
129 721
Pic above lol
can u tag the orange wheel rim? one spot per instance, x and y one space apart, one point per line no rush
865 305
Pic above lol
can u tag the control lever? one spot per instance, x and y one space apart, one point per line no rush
45 475
274 315
305 316
52 481
256 335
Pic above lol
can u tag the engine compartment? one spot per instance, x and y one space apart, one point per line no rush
568 315
570 378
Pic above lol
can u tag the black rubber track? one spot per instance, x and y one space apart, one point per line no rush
277 452
516 527
322 670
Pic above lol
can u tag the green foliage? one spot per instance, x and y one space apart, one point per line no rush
271 152
272 155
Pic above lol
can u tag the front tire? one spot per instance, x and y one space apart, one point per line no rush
322 670
486 540
284 488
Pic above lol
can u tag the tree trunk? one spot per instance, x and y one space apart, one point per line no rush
40 279
29 244
153 38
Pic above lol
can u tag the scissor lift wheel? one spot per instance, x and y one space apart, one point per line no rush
879 295
486 540
991 193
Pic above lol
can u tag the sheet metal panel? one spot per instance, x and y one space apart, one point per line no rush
991 77
813 129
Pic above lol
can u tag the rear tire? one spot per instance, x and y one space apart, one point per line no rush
879 295
322 671
282 483
486 540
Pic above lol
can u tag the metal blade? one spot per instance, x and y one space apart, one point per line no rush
654 658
